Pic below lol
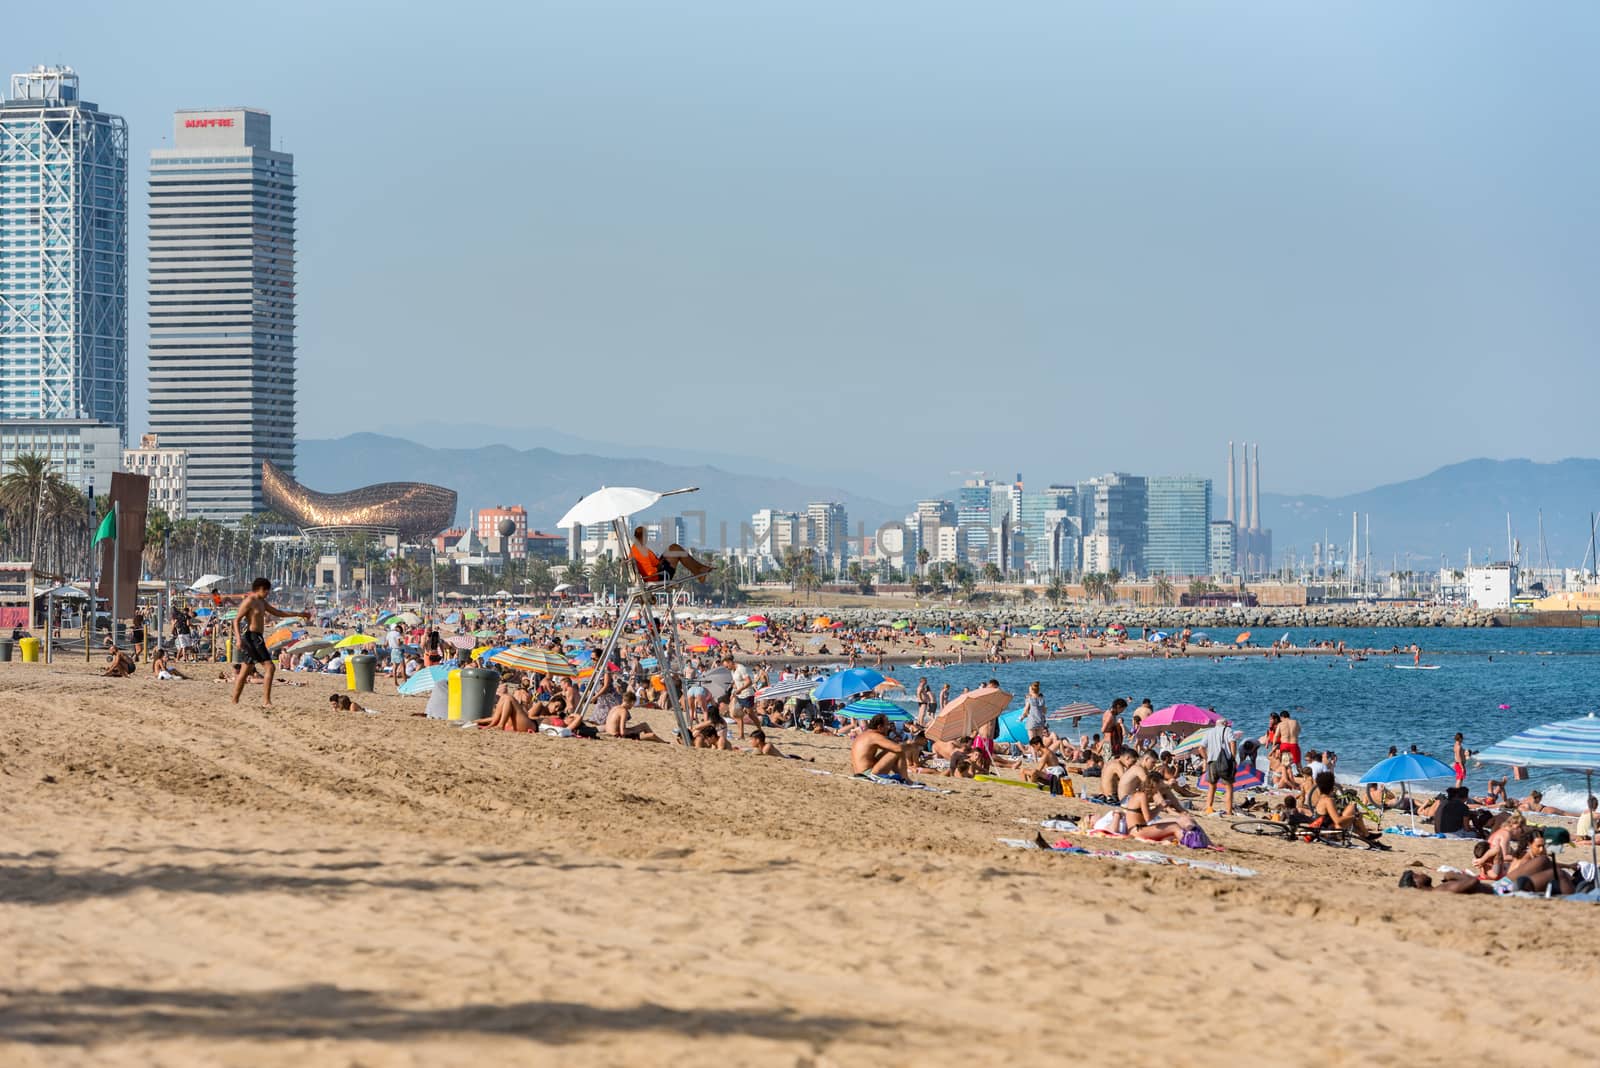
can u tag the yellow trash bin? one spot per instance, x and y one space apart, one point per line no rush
349 673
30 650
453 688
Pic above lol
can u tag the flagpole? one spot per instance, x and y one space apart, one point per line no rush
116 554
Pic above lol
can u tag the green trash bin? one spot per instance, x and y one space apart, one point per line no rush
362 671
478 689
6 645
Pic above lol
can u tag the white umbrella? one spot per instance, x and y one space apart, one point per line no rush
562 587
205 582
614 502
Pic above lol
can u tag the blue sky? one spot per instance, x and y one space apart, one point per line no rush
1050 237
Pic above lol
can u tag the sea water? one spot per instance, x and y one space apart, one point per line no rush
1357 709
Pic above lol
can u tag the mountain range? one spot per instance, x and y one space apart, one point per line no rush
547 483
1446 512
1455 508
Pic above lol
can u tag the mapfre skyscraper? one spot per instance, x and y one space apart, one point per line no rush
222 374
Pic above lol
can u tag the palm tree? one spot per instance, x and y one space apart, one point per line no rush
1161 586
23 492
808 578
991 573
1113 577
576 574
923 556
1056 590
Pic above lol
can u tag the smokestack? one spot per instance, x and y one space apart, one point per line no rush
1230 481
1255 488
1244 484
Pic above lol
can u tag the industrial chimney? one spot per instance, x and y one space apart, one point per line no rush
1255 488
1230 481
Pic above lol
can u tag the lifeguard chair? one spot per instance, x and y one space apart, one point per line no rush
614 505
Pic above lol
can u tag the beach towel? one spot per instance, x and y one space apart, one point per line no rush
1137 856
895 780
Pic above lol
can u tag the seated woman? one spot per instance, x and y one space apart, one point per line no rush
654 567
161 669
514 711
712 733
1333 809
1535 869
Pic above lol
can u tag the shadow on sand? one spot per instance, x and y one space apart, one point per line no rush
108 1014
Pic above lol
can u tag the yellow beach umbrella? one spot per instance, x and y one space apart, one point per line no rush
354 640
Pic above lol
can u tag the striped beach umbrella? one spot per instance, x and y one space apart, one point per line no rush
782 691
1075 712
867 707
1570 744
422 683
528 658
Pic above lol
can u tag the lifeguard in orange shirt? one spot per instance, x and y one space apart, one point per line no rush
660 567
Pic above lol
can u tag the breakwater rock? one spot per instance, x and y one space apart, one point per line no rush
1172 619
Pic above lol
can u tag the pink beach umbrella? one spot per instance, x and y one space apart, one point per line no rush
1179 719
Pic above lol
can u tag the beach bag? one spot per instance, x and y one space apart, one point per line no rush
1194 838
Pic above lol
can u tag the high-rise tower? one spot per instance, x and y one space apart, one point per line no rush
63 256
222 367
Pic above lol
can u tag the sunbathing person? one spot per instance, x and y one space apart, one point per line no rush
1122 759
1496 795
1534 802
617 725
712 733
963 762
1334 809
1496 852
119 665
1458 882
1535 868
875 752
761 747
514 711
162 669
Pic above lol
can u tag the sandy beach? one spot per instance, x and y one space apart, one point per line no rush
186 882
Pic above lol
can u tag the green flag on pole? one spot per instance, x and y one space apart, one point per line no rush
108 528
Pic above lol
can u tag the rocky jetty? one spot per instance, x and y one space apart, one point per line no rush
1170 619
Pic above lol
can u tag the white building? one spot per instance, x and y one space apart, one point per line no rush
1490 587
85 452
168 471
222 373
951 545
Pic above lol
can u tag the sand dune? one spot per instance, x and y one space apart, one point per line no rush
187 882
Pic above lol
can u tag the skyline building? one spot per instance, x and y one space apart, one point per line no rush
1116 521
1037 523
1178 533
222 305
974 501
168 472
63 264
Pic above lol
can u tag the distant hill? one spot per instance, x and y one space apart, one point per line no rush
547 483
1456 507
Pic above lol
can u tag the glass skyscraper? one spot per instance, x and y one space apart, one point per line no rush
1179 527
973 512
222 367
1037 523
63 254
1114 506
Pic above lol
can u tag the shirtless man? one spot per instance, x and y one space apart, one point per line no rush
1289 738
119 665
248 626
1115 767
874 751
1111 728
760 746
617 723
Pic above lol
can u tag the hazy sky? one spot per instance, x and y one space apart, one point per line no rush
1050 237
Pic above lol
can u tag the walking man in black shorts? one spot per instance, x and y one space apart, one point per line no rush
248 627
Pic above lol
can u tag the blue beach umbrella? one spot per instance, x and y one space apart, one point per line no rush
1408 767
868 707
1570 744
846 684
